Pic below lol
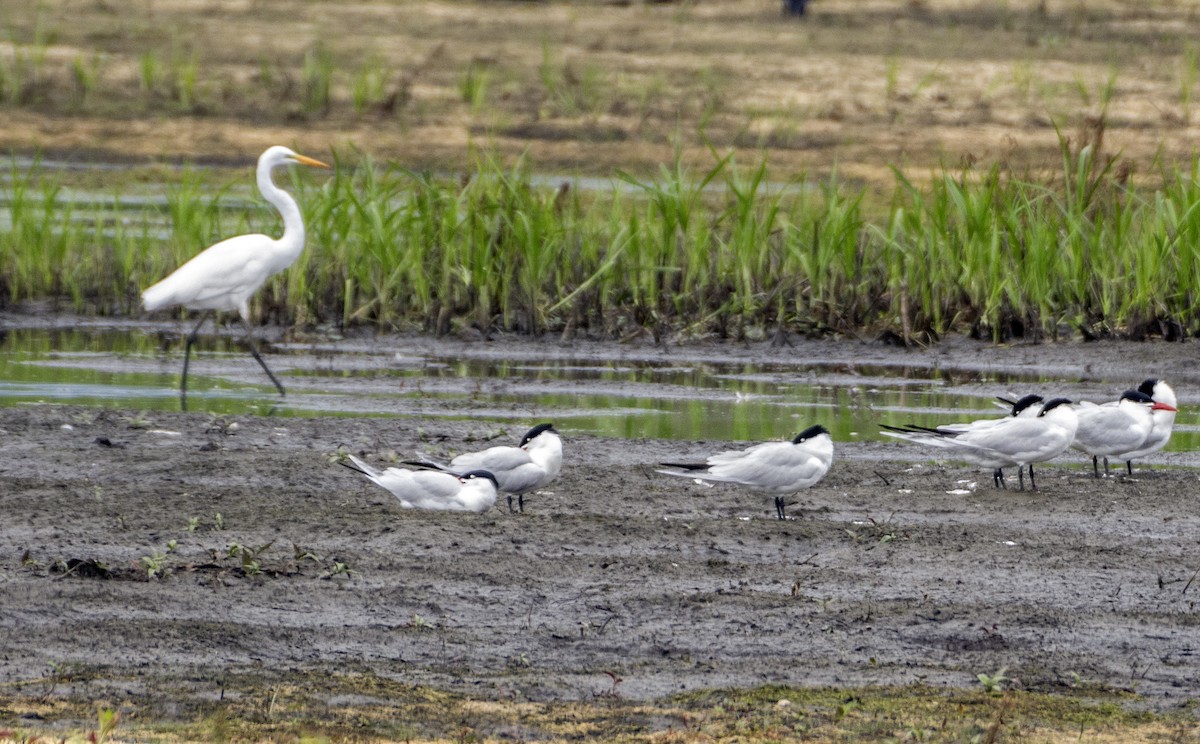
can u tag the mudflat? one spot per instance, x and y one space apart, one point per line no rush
172 561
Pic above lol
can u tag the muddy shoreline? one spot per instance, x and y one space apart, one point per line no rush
895 570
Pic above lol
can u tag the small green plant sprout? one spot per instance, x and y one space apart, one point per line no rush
419 623
28 561
218 521
155 564
138 421
337 456
193 524
172 545
340 568
249 556
304 554
108 720
993 684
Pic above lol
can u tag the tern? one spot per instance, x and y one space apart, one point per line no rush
772 468
1164 420
518 470
1117 430
473 491
1014 440
1027 406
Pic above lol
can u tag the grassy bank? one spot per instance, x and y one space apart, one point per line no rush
726 251
379 709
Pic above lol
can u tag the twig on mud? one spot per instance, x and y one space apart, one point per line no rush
1189 581
883 478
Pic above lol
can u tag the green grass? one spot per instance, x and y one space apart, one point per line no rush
381 709
727 251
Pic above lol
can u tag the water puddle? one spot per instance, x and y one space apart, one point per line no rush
138 368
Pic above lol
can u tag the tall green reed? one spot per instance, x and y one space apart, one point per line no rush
725 251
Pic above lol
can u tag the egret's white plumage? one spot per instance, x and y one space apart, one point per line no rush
519 470
773 468
1014 440
224 276
474 491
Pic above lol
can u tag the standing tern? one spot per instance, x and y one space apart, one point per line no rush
518 470
1028 406
473 491
773 468
1116 430
1015 440
1164 420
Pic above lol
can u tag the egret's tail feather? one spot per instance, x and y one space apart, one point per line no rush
157 297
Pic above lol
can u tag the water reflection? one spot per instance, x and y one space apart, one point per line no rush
138 369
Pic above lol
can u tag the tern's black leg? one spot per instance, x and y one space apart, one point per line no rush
187 357
1032 484
779 507
521 503
998 479
1129 467
510 509
1095 466
257 358
1021 476
1106 473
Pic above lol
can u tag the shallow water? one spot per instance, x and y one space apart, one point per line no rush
137 367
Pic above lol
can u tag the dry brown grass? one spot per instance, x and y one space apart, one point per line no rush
593 86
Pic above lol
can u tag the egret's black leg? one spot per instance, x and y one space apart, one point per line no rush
1021 476
510 509
521 503
187 357
257 358
1032 484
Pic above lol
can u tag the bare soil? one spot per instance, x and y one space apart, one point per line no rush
894 570
591 87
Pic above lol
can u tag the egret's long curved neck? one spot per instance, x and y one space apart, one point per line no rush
293 223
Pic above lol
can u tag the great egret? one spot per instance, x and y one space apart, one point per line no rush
773 468
518 470
224 276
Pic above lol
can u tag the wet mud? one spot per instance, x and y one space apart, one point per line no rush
158 556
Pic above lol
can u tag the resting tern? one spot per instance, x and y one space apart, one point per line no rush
518 470
773 468
1164 420
1028 406
1015 440
1117 430
473 491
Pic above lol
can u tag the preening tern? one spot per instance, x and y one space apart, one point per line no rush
518 470
473 491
